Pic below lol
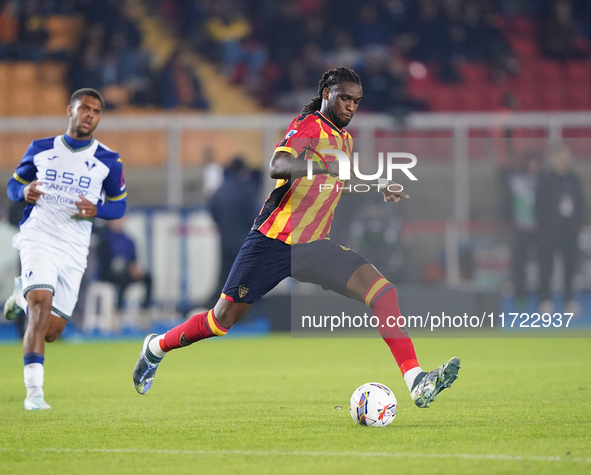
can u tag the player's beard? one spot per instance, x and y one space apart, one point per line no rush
83 134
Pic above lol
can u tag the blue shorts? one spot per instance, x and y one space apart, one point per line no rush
264 262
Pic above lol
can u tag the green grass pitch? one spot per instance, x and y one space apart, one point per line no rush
267 405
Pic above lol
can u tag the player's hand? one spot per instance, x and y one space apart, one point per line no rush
86 210
30 192
393 192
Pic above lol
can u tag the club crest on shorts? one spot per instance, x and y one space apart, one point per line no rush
184 340
242 291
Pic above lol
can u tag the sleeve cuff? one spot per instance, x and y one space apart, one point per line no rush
288 150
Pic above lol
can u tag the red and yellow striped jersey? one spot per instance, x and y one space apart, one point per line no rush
298 210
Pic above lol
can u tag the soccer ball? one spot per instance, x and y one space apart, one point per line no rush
373 404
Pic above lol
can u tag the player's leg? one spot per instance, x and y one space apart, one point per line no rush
39 280
260 265
40 322
367 285
49 311
198 327
348 273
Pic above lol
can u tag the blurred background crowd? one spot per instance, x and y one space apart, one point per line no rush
411 54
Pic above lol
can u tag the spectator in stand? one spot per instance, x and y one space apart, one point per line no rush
86 67
307 65
32 32
298 90
231 32
9 31
178 85
558 34
118 262
559 212
384 84
343 53
432 40
283 47
372 29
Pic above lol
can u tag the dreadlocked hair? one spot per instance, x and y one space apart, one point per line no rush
329 79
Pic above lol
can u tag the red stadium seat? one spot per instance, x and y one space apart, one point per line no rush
527 73
468 99
550 98
441 99
521 26
550 72
474 74
420 88
492 98
578 71
578 98
526 98
524 47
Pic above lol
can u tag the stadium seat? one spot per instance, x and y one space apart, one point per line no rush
528 72
468 99
577 98
578 71
24 73
420 89
52 72
54 98
521 26
441 98
4 88
492 97
551 98
550 72
474 74
526 98
524 47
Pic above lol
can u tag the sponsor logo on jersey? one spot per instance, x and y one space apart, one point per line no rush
51 158
90 165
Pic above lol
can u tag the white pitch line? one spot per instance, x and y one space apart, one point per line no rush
515 458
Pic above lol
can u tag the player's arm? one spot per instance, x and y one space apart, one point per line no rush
284 166
23 184
115 203
289 161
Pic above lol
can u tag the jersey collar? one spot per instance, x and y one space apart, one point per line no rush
329 123
76 145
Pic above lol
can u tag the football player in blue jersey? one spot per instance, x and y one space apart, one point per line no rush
66 181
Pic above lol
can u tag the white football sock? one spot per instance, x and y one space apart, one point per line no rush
154 346
410 376
33 378
21 301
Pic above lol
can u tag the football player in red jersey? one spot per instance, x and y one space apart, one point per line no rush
290 238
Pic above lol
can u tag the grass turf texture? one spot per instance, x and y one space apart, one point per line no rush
268 406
